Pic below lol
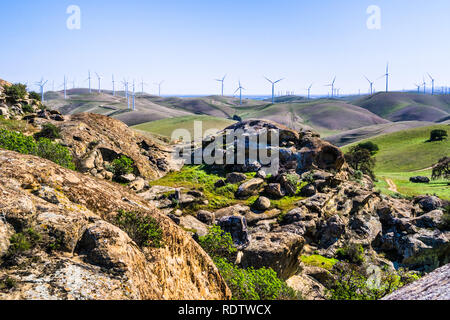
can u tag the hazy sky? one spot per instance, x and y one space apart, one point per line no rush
189 43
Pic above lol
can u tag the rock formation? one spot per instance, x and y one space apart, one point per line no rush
79 253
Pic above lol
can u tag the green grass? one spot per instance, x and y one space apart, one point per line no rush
166 127
407 153
316 260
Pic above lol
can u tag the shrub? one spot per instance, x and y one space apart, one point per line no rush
44 148
27 108
121 166
353 253
438 135
34 95
54 152
354 284
254 284
23 241
49 131
218 244
360 159
8 283
144 230
441 169
16 92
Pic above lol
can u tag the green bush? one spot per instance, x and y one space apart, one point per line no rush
353 284
218 244
438 135
251 284
245 284
353 253
121 166
34 95
23 241
16 92
27 108
49 131
144 230
43 148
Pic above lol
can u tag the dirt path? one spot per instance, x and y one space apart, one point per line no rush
392 186
423 169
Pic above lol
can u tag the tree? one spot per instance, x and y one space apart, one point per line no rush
361 159
438 135
442 169
370 146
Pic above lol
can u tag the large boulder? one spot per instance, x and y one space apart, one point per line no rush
277 250
429 203
81 254
237 227
433 286
249 188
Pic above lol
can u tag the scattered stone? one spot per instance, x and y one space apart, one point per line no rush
237 227
235 177
138 184
419 179
274 191
249 188
206 217
308 191
428 203
262 204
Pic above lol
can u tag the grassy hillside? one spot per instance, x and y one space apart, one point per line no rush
355 135
399 106
407 153
325 115
167 126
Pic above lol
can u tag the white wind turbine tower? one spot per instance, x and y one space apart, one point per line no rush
125 83
387 74
65 88
273 87
371 85
309 91
222 81
240 88
41 85
134 97
332 86
424 86
89 79
99 82
159 87
114 86
142 86
432 84
418 87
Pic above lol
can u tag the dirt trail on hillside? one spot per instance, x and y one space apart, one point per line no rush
392 186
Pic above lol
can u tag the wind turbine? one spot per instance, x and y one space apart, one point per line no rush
240 88
142 86
332 86
387 74
309 91
125 83
371 85
42 84
432 84
159 87
99 82
418 87
114 87
424 86
89 79
222 81
273 87
65 88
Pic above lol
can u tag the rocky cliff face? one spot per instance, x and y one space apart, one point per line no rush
434 286
75 252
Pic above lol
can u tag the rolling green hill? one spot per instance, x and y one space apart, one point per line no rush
407 153
399 106
165 127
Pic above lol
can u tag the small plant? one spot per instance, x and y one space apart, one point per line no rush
438 135
23 241
54 152
49 131
353 253
8 283
27 108
218 243
16 92
34 95
358 175
144 230
121 166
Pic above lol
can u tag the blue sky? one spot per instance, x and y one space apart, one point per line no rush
190 43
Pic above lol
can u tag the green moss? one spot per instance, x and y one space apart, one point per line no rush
319 261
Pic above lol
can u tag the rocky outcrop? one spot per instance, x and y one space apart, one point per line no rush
78 253
434 286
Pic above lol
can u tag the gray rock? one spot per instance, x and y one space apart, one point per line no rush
308 190
237 227
249 188
127 178
429 203
138 184
190 223
206 217
273 190
235 177
419 179
262 204
237 209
